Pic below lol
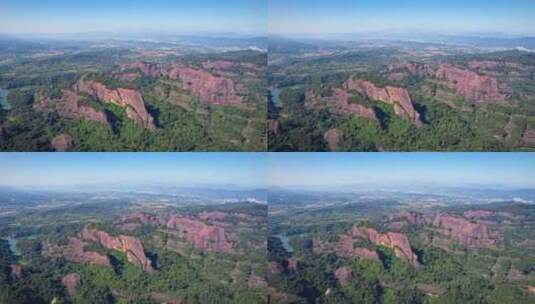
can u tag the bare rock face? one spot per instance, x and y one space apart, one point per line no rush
471 85
482 64
130 245
75 253
131 100
413 218
343 275
62 142
332 137
467 233
71 282
394 240
206 86
412 68
202 236
339 104
213 216
398 97
67 106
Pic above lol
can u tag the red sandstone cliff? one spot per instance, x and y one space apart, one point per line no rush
123 243
206 86
470 85
131 100
397 97
71 282
199 234
467 233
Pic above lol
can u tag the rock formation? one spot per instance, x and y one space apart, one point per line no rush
412 218
478 214
132 246
206 86
398 97
394 240
471 85
75 253
62 142
465 232
67 106
130 100
338 104
200 235
71 282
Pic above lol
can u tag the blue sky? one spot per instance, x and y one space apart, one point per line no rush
448 16
180 169
73 16
447 169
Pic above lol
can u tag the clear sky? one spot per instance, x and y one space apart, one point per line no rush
447 169
445 16
74 16
180 169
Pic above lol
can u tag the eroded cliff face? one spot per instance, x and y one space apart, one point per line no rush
131 246
130 100
209 88
68 107
338 104
202 236
465 232
74 252
352 244
394 240
71 282
398 97
471 85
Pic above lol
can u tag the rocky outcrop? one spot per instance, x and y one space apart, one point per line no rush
130 100
212 216
465 232
338 104
411 217
398 97
75 253
208 87
332 137
343 275
217 65
472 86
394 240
62 142
67 107
202 236
71 282
130 245
483 64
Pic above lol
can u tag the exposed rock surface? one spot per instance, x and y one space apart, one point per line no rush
217 64
394 240
343 275
332 137
200 235
413 218
67 106
467 233
471 85
62 142
75 253
128 244
71 282
131 100
398 97
339 104
208 87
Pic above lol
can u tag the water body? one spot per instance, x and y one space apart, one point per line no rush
13 245
3 100
275 96
285 242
